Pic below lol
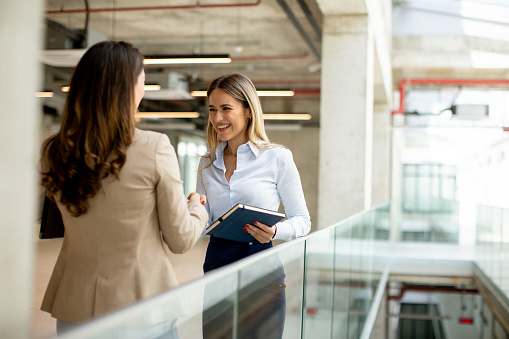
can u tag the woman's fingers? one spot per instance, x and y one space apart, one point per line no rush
193 196
261 232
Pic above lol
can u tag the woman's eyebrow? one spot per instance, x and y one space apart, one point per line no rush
223 105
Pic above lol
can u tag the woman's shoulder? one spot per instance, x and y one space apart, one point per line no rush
275 149
145 136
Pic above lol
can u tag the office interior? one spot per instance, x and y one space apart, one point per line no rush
398 120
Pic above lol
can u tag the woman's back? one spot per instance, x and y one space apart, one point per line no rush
113 255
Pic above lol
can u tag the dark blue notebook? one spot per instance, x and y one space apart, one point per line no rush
231 224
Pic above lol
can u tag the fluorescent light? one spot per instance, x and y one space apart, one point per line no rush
199 93
261 93
147 88
187 59
276 93
165 115
44 94
152 87
287 116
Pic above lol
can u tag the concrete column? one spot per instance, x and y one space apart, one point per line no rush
346 118
381 155
20 37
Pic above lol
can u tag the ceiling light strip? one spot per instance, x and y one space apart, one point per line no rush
44 94
187 59
65 89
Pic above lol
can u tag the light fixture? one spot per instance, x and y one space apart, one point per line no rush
187 59
275 93
165 115
261 93
45 94
287 116
152 88
199 93
147 88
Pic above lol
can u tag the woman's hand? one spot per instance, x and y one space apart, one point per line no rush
261 232
196 197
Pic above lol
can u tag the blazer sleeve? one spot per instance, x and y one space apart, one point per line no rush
181 222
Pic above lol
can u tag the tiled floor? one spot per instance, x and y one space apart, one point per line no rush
187 266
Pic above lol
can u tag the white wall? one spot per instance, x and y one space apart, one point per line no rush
19 70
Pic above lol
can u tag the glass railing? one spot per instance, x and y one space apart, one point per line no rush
438 224
492 246
324 285
328 284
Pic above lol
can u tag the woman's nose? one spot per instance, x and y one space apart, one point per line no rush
218 116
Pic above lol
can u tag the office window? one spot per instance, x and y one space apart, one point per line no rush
189 152
429 188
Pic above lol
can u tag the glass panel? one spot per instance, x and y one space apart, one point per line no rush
219 306
271 295
321 286
319 282
342 281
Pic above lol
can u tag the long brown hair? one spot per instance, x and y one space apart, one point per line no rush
97 125
242 89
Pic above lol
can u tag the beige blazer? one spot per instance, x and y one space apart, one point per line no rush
114 255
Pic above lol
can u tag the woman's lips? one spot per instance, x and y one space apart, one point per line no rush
222 128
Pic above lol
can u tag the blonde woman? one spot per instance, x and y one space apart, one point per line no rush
243 166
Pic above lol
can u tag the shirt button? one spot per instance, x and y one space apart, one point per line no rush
240 161
250 243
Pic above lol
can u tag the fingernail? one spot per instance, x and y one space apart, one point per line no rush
256 223
245 230
203 202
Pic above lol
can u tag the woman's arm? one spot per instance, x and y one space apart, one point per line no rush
289 186
181 222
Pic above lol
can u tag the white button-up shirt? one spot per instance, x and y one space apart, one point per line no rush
263 178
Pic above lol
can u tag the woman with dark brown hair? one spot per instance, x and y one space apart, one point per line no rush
119 191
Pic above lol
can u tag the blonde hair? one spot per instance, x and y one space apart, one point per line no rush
242 89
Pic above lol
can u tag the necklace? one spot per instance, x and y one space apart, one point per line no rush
230 151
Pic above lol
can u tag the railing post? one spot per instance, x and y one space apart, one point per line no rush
303 311
236 300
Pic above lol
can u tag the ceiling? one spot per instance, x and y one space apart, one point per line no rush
277 43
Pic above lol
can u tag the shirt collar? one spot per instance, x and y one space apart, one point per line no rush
219 152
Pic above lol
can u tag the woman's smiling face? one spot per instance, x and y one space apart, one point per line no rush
228 117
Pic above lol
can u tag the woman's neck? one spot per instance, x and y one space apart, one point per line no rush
232 147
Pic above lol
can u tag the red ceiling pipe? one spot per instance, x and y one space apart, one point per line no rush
150 8
441 82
